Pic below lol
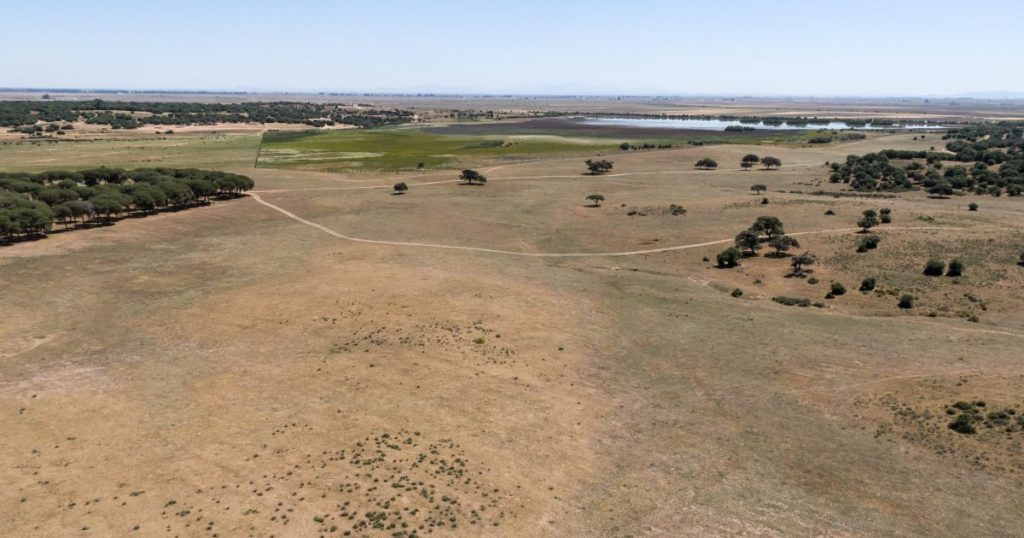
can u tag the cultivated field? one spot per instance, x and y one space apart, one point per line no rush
323 357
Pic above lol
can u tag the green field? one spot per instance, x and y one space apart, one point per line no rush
404 148
131 150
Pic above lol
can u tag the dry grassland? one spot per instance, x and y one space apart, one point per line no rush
233 371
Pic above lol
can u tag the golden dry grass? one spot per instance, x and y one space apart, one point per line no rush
247 366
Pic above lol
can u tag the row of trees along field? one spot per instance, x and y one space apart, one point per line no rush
995 149
25 116
30 204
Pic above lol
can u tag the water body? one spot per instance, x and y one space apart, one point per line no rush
720 125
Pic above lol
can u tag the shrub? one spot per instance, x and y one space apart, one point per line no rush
868 242
956 268
906 301
729 257
706 163
972 206
400 188
737 293
830 212
963 424
934 267
838 288
792 301
867 284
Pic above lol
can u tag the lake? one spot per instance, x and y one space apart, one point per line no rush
720 125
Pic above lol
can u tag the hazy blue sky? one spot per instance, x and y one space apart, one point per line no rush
821 47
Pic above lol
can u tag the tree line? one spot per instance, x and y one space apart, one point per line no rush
24 116
30 204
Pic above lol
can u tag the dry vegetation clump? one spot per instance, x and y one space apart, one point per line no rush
470 341
980 433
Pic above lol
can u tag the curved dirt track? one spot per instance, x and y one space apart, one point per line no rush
339 235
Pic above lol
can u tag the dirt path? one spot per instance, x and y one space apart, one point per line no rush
339 235
567 176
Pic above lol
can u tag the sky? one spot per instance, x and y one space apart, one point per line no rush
734 47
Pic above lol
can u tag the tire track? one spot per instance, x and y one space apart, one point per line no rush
340 235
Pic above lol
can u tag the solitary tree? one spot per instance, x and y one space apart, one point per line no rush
729 257
596 199
800 263
770 226
598 167
749 240
769 162
783 243
749 160
869 220
400 188
471 177
758 188
707 164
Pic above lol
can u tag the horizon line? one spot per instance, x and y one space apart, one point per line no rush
411 93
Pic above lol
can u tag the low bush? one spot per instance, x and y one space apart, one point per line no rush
868 242
792 301
956 268
934 267
964 424
729 257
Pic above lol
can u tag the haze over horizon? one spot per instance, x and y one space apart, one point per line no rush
872 49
